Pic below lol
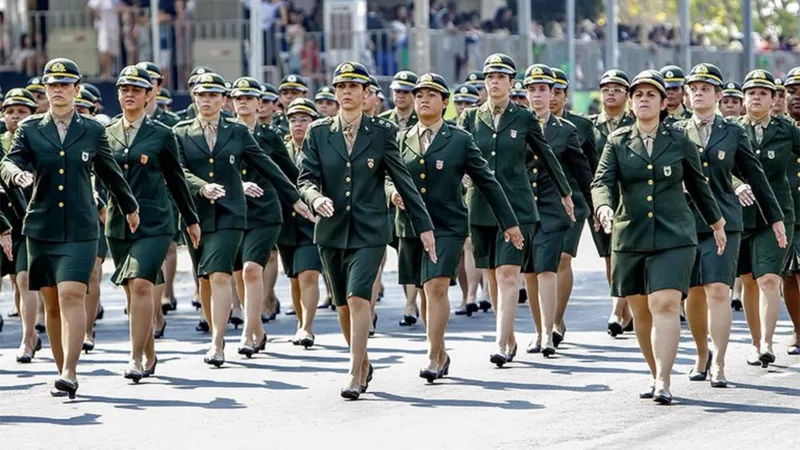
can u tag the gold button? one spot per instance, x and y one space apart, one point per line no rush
212 202
423 190
348 164
705 164
494 135
211 160
534 184
60 187
798 160
649 167
126 166
701 149
347 180
494 153
294 213
758 152
347 207
536 198
650 215
650 182
347 194
60 204
422 161
649 198
61 171
535 157
244 171
422 175
535 170
61 153
211 174
125 151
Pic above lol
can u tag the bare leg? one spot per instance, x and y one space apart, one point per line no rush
71 299
297 302
750 301
532 285
27 312
170 267
220 309
270 278
697 318
53 321
140 313
644 325
770 308
720 318
360 317
205 298
309 289
791 294
473 274
252 292
547 305
437 313
665 307
507 281
92 300
158 313
564 289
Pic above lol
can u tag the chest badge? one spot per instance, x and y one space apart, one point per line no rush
232 159
84 156
439 164
143 159
721 155
771 154
667 171
370 163
513 134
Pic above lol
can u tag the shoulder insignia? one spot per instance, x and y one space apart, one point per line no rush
183 123
320 122
620 131
116 119
383 123
38 116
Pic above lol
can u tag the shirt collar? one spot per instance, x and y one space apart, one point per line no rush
604 117
698 120
678 112
764 120
136 124
355 123
65 119
502 105
545 118
434 128
214 123
643 135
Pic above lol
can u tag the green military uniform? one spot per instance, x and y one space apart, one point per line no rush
280 122
222 221
353 241
726 148
603 127
438 174
792 266
61 224
556 226
393 116
654 236
168 118
510 148
674 78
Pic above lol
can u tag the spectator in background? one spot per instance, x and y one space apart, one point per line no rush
143 37
106 22
295 34
400 24
24 56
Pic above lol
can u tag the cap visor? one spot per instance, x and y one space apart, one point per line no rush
673 84
348 79
498 69
704 79
465 99
758 83
399 86
137 83
60 79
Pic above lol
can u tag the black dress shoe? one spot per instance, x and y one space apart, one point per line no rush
40 328
261 346
236 321
202 326
166 308
151 371
445 370
133 375
374 325
216 360
534 347
87 346
548 351
13 314
158 334
196 303
793 350
766 359
246 350
350 394
485 305
429 375
701 376
523 296
736 304
649 393
662 397
614 329
498 359
472 308
364 387
24 358
264 318
67 386
510 356
307 342
558 338
408 320
100 314
38 345
629 327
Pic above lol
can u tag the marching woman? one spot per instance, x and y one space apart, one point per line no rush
654 239
212 150
438 155
345 161
147 152
511 140
791 277
556 226
17 105
732 102
263 212
61 224
325 101
776 141
301 260
723 146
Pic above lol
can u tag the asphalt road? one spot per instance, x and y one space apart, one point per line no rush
288 398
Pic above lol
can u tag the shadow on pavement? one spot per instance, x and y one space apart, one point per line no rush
457 403
85 419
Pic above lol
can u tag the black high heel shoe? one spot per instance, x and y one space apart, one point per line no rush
202 326
736 304
510 356
67 386
13 314
87 346
216 360
498 359
369 378
548 351
166 308
196 304
558 337
429 375
158 334
629 327
24 358
662 397
236 321
648 394
134 375
350 394
100 314
534 347
523 296
2 322
307 342
614 329
246 350
485 305
38 346
445 370
766 359
261 346
151 371
264 318
701 376
374 325
40 328
408 320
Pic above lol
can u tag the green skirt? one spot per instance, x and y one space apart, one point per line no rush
491 250
642 273
712 268
297 260
217 252
140 258
351 272
257 245
602 242
50 263
414 267
547 248
760 254
573 238
792 263
20 253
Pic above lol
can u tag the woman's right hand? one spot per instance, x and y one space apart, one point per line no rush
605 215
745 194
23 179
212 191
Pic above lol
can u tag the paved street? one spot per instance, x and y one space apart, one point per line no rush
585 397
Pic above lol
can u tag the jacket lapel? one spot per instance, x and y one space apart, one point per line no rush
440 140
508 117
117 131
718 132
552 128
661 143
769 133
76 130
47 126
694 133
636 145
485 115
145 130
224 133
411 140
364 137
196 134
336 139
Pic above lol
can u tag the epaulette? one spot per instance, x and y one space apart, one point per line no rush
115 119
91 119
322 121
159 124
730 121
234 121
183 123
38 116
620 131
383 123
